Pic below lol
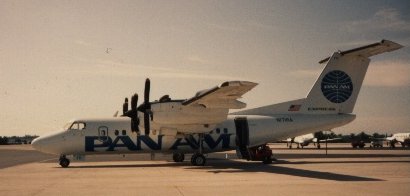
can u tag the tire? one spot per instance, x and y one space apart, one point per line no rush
198 160
64 163
178 157
267 160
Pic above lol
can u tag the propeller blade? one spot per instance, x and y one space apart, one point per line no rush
135 123
125 106
134 102
146 123
147 106
146 91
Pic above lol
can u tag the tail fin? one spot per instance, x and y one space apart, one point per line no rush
338 85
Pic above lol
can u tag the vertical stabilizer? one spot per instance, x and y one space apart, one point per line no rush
339 84
337 87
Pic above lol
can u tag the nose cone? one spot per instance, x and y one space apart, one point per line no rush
50 143
37 143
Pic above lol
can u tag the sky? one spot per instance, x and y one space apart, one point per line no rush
61 60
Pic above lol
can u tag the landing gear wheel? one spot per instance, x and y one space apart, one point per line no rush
267 160
178 157
198 159
64 162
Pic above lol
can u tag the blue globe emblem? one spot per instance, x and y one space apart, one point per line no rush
337 86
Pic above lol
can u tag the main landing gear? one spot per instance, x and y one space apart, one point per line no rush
178 157
64 162
261 153
198 159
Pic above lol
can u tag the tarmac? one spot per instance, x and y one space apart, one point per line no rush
343 171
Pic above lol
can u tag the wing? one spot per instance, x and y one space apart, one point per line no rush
222 96
330 140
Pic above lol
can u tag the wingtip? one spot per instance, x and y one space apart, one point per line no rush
391 44
238 83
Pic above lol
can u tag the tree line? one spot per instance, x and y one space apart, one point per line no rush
350 137
4 140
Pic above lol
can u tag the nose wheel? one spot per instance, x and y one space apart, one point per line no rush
64 162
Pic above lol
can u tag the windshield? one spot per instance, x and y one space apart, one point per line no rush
67 126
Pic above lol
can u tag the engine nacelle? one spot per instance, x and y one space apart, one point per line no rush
173 116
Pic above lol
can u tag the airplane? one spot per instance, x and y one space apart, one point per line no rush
402 138
304 140
202 124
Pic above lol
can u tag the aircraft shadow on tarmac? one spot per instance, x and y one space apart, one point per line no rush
230 166
237 167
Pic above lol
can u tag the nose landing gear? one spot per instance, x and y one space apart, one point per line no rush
64 162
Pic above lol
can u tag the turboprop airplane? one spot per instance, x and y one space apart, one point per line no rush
304 140
202 124
402 138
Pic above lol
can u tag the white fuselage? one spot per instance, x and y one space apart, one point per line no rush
304 140
114 135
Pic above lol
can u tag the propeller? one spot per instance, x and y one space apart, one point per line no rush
133 113
146 107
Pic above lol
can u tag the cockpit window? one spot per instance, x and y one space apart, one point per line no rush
77 126
74 126
67 126
81 126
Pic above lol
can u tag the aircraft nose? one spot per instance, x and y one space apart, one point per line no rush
36 143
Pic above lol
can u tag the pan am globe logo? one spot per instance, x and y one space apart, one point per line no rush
337 86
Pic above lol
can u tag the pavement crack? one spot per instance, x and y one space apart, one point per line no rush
179 190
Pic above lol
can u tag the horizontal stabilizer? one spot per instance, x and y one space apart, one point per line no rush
369 50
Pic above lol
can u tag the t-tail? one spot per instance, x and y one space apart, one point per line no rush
337 88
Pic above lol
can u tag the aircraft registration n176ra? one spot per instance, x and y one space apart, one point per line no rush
202 124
